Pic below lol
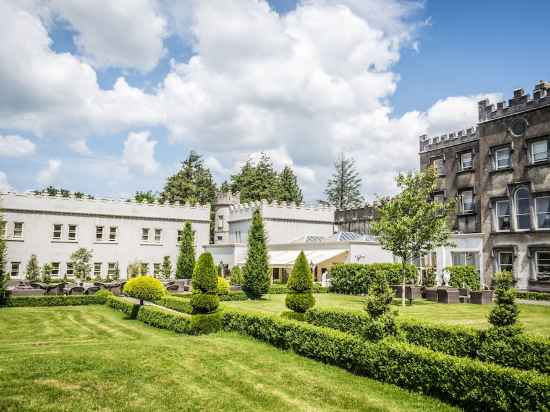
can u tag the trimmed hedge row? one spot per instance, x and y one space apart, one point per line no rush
465 382
521 351
276 289
176 303
533 295
123 305
231 296
55 300
180 322
355 278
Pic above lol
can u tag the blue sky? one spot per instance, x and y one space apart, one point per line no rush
287 79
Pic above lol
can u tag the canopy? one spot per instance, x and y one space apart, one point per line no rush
280 258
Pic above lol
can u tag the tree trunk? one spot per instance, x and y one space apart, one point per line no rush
403 262
141 302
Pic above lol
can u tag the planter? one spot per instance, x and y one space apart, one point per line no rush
430 294
411 291
481 297
448 295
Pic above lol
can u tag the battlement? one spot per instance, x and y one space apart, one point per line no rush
282 210
520 102
428 144
227 198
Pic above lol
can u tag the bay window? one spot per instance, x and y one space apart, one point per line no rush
523 213
503 215
542 210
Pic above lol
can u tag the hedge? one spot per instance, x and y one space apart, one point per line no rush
464 276
521 352
123 305
231 296
55 300
465 382
280 289
176 303
355 278
533 295
180 322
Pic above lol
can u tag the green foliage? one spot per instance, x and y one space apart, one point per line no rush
429 279
464 276
3 257
344 187
145 197
505 312
176 303
47 273
468 383
166 269
283 289
123 305
135 269
205 274
192 184
410 225
533 295
81 263
256 181
103 294
180 322
355 278
379 299
299 301
204 302
144 288
256 271
222 286
186 258
289 189
55 300
236 276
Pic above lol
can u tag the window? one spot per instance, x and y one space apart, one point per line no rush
111 268
156 269
112 233
523 217
15 269
180 235
220 237
505 261
57 231
70 269
439 166
18 230
542 207
144 268
97 269
503 158
465 258
99 233
466 162
158 233
503 215
542 263
467 201
539 151
438 198
72 232
145 234
55 268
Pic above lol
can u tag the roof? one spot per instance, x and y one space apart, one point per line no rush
288 257
338 237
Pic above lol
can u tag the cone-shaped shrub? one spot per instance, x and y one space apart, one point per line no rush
205 285
300 285
380 296
144 288
505 313
236 276
186 258
256 270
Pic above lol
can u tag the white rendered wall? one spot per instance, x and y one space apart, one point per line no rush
362 252
40 213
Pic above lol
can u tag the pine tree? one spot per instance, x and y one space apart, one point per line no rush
145 197
289 189
344 187
186 258
300 285
505 312
166 269
3 258
236 276
256 181
32 271
256 272
205 285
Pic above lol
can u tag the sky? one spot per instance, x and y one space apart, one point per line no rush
109 97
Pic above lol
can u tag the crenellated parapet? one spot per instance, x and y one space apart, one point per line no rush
282 210
520 102
445 140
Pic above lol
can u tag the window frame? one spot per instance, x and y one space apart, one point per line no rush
156 269
433 163
180 236
516 214
75 237
97 273
499 260
496 166
56 268
157 231
497 217
538 227
60 231
462 168
467 255
99 229
111 238
145 234
537 264
20 232
111 270
69 268
144 268
17 271
532 144
463 210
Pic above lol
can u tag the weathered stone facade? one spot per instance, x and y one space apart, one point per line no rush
500 176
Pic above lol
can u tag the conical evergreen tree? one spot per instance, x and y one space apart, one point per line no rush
256 270
290 190
166 269
205 282
32 271
300 285
186 257
344 187
3 258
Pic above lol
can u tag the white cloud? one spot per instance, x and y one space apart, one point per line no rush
16 146
4 184
122 33
80 147
49 173
139 153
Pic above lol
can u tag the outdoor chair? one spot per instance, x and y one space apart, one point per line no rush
448 295
92 290
76 290
464 295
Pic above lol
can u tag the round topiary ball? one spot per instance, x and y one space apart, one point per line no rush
144 288
204 302
300 302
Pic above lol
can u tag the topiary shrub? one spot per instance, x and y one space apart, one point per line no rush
461 276
236 276
380 296
256 272
505 313
205 285
144 288
300 284
222 286
355 278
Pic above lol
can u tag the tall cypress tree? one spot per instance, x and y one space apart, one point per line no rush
289 189
344 187
3 258
186 257
33 269
256 269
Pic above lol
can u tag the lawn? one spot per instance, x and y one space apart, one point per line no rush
534 318
92 358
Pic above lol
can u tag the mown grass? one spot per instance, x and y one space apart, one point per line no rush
534 318
92 358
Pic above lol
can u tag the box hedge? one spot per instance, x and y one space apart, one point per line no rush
123 305
465 382
355 278
231 296
180 322
533 295
55 300
521 351
281 289
176 303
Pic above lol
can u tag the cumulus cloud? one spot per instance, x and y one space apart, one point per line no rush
4 184
50 173
16 146
139 153
80 147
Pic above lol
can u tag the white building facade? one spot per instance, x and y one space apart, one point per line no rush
118 232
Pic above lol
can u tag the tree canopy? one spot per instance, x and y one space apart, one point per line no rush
344 187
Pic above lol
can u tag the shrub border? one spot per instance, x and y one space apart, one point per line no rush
54 300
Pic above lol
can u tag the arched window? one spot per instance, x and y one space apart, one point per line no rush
523 216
